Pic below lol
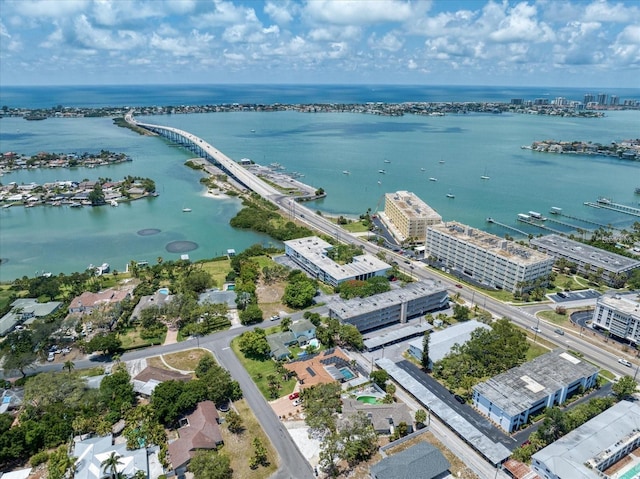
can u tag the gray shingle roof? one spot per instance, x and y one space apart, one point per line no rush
422 461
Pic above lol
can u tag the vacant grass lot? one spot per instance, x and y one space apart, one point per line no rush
218 269
182 360
554 317
259 370
132 340
239 447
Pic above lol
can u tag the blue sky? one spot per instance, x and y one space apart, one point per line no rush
581 43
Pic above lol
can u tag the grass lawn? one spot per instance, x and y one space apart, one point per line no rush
259 370
564 281
607 374
355 227
5 296
218 269
132 340
536 350
183 360
554 317
239 447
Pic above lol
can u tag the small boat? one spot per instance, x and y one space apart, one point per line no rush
114 203
379 182
450 195
8 205
382 171
253 131
422 169
387 161
75 204
433 179
186 210
441 162
484 177
346 172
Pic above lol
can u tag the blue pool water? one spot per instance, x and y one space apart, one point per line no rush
632 473
164 291
231 287
347 374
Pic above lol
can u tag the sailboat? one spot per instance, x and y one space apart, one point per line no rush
186 210
387 161
450 195
485 176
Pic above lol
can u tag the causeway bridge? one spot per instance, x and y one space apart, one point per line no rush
212 154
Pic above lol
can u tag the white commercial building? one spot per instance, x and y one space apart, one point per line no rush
510 398
614 268
408 216
310 254
619 314
485 258
588 451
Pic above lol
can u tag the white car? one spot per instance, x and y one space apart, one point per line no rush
296 402
625 362
536 329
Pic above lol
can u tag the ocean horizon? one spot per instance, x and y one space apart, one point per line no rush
98 96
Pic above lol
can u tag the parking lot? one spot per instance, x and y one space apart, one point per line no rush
567 296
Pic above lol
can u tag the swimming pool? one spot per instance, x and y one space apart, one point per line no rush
164 291
368 399
632 473
347 374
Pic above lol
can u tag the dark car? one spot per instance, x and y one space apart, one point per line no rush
459 398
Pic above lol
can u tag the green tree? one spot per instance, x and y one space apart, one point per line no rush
424 360
233 420
329 456
204 365
111 463
68 365
380 378
461 313
259 457
358 438
210 465
285 324
107 343
60 464
251 314
421 417
299 292
350 336
624 387
321 404
96 196
254 343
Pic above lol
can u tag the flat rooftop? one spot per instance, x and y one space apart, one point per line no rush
350 308
396 334
593 442
510 250
442 341
314 250
518 388
596 257
412 206
493 451
625 303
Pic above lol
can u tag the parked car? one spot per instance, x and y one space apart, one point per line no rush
296 402
562 295
293 396
51 357
625 362
275 317
459 398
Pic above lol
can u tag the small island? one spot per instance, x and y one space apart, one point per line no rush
626 149
10 161
77 194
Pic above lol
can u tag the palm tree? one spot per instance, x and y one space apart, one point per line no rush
68 365
111 463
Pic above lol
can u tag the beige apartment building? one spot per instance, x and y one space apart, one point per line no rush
408 217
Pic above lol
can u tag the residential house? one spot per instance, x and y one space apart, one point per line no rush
92 452
422 461
322 368
146 380
200 432
303 330
87 301
384 417
26 310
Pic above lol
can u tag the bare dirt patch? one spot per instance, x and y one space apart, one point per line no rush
270 296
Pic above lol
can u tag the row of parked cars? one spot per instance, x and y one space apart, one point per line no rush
56 350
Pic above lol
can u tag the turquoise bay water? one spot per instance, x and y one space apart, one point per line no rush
320 146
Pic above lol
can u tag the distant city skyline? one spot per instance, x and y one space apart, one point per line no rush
570 43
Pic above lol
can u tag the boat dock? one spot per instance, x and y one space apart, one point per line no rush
511 228
528 221
582 220
610 205
568 225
